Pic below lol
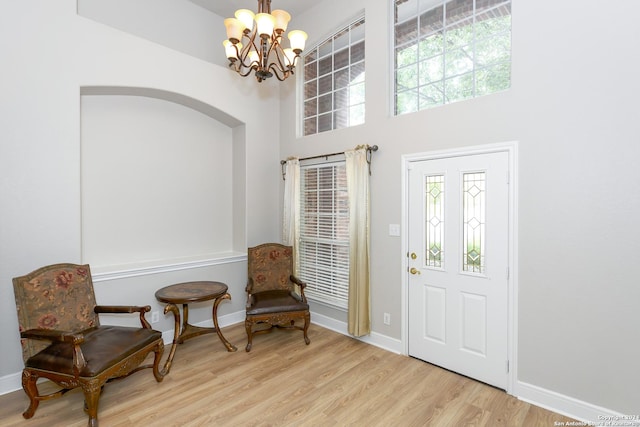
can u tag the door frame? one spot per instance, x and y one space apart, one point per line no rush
512 286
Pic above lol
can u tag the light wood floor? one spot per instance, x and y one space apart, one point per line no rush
335 381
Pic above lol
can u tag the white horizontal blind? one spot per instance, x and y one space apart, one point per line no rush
323 250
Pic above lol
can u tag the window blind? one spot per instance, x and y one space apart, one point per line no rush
323 250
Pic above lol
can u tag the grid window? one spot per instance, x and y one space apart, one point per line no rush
448 51
333 89
323 250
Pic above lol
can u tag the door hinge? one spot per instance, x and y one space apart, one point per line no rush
508 273
506 365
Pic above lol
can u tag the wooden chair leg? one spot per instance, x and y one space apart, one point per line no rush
158 350
248 325
307 320
91 392
29 384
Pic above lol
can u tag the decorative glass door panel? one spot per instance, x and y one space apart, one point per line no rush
434 226
473 221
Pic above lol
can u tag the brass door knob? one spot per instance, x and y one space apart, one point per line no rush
414 271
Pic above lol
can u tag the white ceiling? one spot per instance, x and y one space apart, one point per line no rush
226 8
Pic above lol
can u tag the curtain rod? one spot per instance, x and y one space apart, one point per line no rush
326 156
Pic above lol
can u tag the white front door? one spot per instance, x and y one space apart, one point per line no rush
458 264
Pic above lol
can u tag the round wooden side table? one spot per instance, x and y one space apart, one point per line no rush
190 292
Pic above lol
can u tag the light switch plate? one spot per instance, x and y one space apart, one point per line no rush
394 229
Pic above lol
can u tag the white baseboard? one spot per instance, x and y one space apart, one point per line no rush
379 340
390 344
11 382
585 412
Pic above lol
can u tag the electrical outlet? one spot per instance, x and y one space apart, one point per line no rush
155 317
387 319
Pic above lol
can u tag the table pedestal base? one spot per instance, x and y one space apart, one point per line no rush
189 331
185 293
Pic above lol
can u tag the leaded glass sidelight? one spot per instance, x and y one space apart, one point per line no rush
473 221
434 200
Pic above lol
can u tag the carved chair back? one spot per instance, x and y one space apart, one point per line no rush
269 266
58 297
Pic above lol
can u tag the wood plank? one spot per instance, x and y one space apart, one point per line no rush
336 380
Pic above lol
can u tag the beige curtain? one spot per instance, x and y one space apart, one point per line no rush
359 224
291 210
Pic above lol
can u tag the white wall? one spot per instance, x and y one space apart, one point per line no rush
55 56
177 24
156 182
572 108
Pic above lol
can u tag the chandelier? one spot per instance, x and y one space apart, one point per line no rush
254 43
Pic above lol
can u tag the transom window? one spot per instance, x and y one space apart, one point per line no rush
447 51
334 81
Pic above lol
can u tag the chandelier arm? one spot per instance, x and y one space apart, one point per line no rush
244 74
238 67
237 61
279 67
247 48
277 71
276 48
239 64
273 45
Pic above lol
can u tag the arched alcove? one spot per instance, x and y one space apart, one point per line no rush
162 180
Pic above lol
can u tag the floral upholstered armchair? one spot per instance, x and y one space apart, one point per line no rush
63 341
272 300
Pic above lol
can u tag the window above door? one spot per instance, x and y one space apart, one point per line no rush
448 51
